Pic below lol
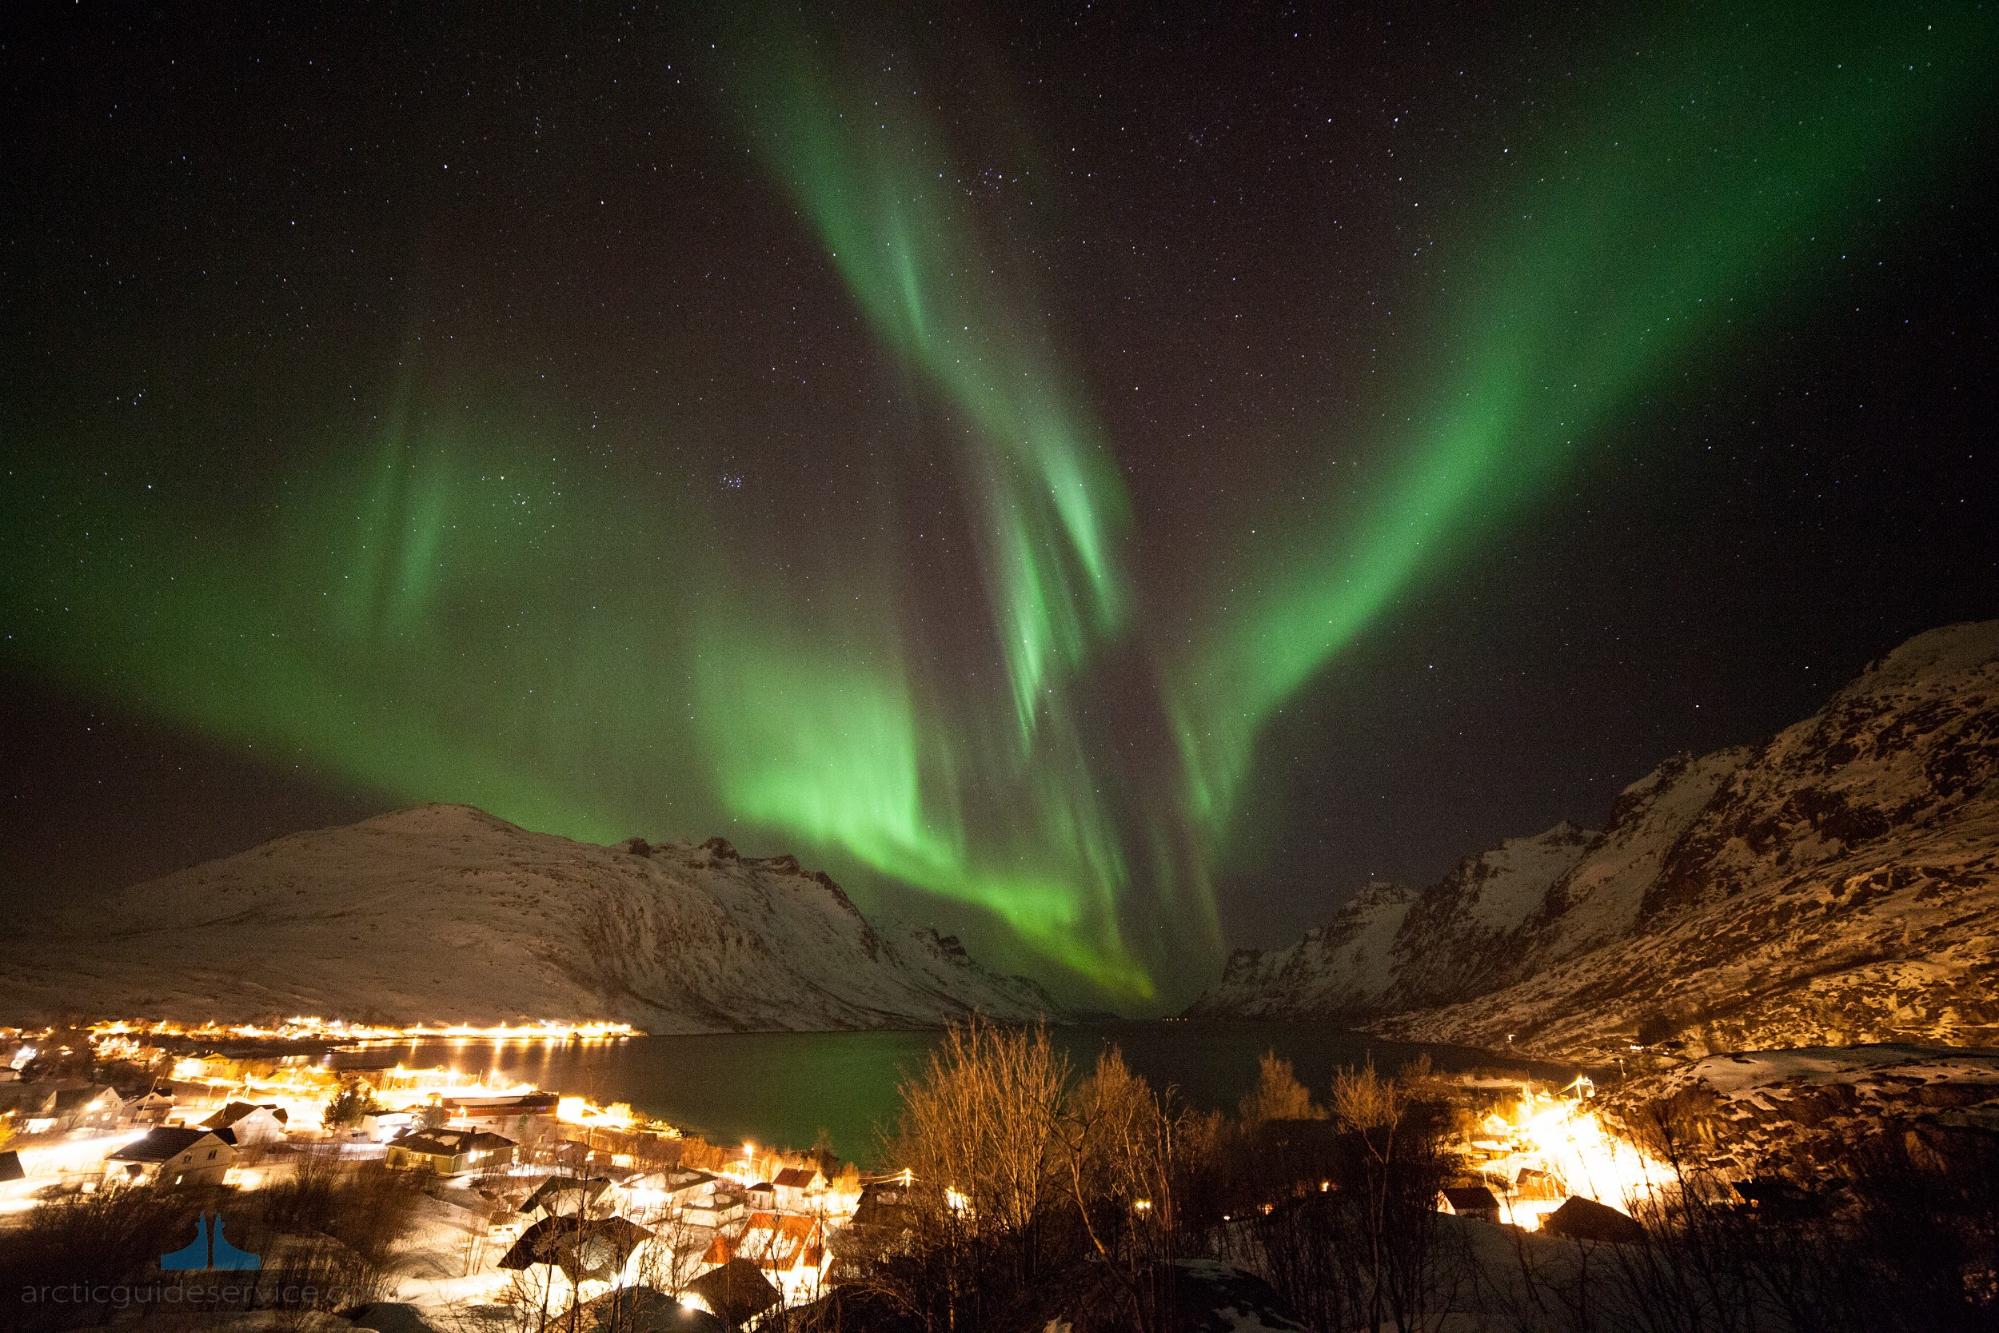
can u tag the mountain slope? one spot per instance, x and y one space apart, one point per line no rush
1837 884
1340 969
445 913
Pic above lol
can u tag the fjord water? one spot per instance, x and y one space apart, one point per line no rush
784 1087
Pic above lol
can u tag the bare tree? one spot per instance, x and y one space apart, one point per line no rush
1278 1095
980 1123
1120 1159
978 1142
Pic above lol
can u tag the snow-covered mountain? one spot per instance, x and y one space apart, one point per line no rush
443 913
1837 884
1794 1112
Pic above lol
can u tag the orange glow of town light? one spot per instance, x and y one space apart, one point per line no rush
572 1110
49 1163
1563 1136
306 1027
302 1090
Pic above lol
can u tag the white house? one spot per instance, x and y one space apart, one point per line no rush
575 1196
669 1192
59 1106
250 1123
718 1208
173 1155
573 1258
149 1108
374 1127
87 1107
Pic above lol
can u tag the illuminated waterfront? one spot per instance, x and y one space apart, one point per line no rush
784 1087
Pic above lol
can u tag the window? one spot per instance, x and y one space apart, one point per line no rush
211 1154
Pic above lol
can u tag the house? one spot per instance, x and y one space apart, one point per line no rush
761 1196
1586 1219
451 1152
510 1111
502 1106
884 1222
375 1127
573 1155
150 1107
799 1189
671 1191
87 1107
173 1155
584 1249
790 1250
736 1293
250 1122
1533 1183
59 1106
1473 1201
717 1208
568 1196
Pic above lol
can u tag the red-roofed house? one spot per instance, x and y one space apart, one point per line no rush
791 1251
799 1189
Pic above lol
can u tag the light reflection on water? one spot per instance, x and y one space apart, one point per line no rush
784 1087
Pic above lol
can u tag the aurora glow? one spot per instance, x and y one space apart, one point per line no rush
845 760
916 637
1600 268
1051 505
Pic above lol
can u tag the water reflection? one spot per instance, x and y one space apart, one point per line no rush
785 1087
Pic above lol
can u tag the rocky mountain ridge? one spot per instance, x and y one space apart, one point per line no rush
447 914
1837 884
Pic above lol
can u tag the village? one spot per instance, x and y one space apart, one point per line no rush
531 1199
540 1201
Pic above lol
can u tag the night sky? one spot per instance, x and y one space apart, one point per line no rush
1103 483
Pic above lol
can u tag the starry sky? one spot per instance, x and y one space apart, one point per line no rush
1102 482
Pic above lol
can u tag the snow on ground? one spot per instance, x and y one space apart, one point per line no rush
1837 885
1738 1071
50 1161
447 914
1514 877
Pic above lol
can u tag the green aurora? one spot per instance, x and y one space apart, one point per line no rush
1607 261
435 614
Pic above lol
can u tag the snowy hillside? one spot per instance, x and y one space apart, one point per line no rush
1837 884
1391 947
445 913
1791 1111
1338 969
